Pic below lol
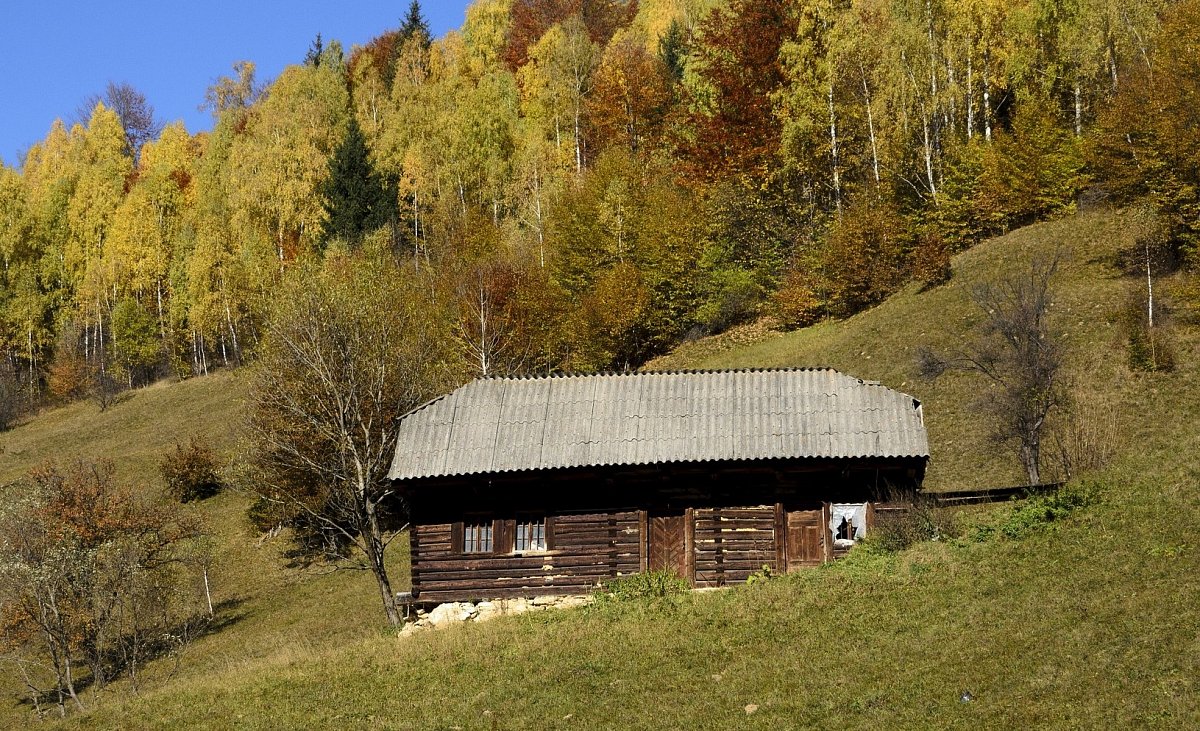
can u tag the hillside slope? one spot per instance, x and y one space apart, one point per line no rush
881 344
1087 623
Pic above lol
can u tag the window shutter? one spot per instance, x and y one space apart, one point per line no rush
502 535
456 537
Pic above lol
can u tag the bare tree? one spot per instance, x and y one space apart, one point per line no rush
130 105
490 316
1019 354
349 349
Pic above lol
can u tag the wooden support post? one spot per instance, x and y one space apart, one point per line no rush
643 541
689 546
780 539
826 534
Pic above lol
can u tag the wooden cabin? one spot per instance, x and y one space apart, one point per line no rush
542 486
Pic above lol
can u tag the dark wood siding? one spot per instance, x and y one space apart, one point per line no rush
586 550
599 520
732 543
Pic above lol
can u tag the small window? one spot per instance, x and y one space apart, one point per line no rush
847 523
477 537
531 536
845 531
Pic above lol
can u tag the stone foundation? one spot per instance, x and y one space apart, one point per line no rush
444 615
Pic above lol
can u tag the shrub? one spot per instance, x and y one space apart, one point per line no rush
798 303
733 297
70 375
930 259
1088 438
923 520
101 577
191 472
1149 348
765 574
1038 513
642 587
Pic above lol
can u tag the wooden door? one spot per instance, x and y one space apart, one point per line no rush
805 538
667 549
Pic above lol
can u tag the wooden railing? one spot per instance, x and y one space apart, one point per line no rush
990 494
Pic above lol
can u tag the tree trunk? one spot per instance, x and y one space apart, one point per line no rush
1079 111
578 140
372 538
987 99
1030 457
237 351
928 154
833 148
541 228
870 122
162 324
970 98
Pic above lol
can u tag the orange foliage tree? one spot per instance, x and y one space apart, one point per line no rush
92 577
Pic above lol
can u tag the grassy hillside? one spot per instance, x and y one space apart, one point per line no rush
134 432
881 344
1088 623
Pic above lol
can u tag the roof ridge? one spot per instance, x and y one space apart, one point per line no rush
670 372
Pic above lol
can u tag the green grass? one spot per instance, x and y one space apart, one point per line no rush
1089 621
135 432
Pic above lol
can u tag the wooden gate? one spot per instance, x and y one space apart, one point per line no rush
805 538
668 544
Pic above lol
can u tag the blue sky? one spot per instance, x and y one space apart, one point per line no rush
59 51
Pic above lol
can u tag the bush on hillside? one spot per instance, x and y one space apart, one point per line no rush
923 520
191 472
930 259
1038 513
646 586
101 577
1088 437
1149 348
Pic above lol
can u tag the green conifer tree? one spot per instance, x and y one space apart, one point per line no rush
357 199
415 26
313 57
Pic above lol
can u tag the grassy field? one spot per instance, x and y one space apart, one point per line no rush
1089 623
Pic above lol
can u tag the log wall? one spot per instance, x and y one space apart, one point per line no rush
587 549
718 547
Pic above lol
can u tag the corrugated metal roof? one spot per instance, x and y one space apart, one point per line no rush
513 424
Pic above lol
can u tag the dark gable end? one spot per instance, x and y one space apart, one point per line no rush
515 424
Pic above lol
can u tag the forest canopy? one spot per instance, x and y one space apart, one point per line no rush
579 184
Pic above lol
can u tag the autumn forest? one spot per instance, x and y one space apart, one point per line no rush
582 184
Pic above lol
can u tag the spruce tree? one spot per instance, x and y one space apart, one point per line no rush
673 49
357 199
313 57
415 26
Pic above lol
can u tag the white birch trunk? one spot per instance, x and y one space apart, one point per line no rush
833 147
970 98
870 122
